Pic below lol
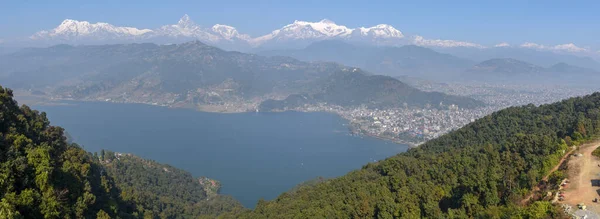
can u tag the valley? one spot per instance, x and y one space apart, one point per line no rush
274 110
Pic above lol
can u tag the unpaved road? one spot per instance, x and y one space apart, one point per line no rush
581 172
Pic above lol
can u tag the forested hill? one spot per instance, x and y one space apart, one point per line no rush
43 176
163 191
480 170
352 88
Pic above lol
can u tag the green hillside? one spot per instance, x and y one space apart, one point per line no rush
481 170
43 176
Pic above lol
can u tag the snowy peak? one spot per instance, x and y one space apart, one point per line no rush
326 21
327 29
228 32
185 21
185 27
381 31
73 28
298 33
323 28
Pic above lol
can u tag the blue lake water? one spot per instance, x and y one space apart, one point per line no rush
254 155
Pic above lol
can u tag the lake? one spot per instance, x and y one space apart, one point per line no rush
254 155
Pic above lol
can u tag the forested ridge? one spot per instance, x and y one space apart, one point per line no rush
479 171
44 176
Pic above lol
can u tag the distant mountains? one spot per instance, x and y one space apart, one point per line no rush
534 56
153 73
298 33
356 88
193 73
512 70
415 61
394 61
507 67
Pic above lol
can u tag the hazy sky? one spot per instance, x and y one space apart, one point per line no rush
484 22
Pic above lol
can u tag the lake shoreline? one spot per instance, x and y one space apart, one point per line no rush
239 150
45 101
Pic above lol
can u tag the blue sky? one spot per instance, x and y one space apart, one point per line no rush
485 22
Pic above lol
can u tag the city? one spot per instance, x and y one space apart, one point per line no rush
408 125
414 126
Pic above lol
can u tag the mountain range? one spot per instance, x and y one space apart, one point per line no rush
224 36
195 74
517 71
425 63
388 60
297 35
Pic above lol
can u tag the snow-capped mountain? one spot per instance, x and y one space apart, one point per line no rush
219 34
185 29
229 32
382 31
295 35
327 29
83 30
302 30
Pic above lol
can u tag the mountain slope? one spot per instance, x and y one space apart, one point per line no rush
191 74
164 73
44 177
355 88
479 171
160 190
394 61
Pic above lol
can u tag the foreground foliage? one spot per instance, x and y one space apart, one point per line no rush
481 170
43 176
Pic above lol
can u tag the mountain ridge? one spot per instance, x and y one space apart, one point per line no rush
191 74
409 60
297 34
185 29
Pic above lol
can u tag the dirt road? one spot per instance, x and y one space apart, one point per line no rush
582 170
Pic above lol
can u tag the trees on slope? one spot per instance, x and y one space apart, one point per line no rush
41 176
162 191
480 170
